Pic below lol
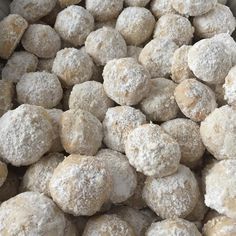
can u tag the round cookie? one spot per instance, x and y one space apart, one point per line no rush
161 7
151 151
126 81
118 123
136 25
172 196
89 180
26 134
39 88
80 132
41 40
33 214
105 44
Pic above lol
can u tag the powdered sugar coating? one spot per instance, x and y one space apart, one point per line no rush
160 104
55 116
195 99
126 81
18 64
104 10
180 70
124 179
32 10
220 188
230 87
193 7
175 227
108 225
3 173
219 20
161 7
80 132
118 123
136 25
89 180
220 226
187 134
151 151
39 88
90 96
6 96
209 60
73 66
174 27
136 3
105 44
157 56
38 175
136 219
41 40
220 124
26 134
32 214
12 28
172 196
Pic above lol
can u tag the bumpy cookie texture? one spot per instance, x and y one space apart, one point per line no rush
90 96
38 175
39 88
220 124
136 3
45 65
66 3
10 187
230 87
133 51
219 20
179 69
26 134
55 116
74 24
193 7
80 185
124 179
108 225
187 134
220 188
220 226
230 44
12 28
104 10
80 132
41 40
151 151
195 99
73 66
136 219
157 56
3 173
47 218
18 64
6 96
210 61
172 196
118 123
174 27
160 104
136 201
173 227
126 81
136 25
105 44
161 7
32 10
